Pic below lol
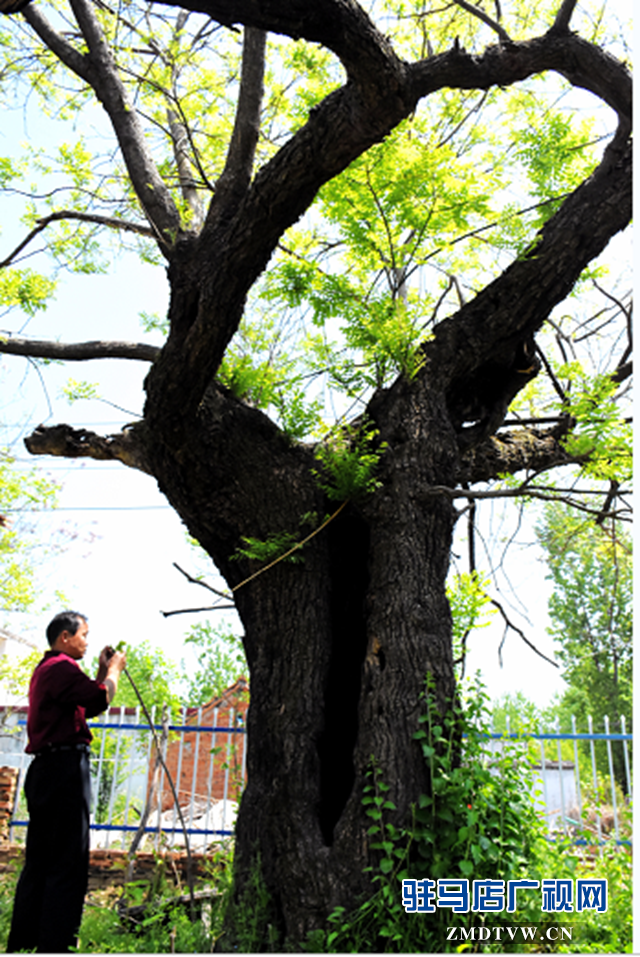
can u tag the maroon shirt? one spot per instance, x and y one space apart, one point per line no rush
61 698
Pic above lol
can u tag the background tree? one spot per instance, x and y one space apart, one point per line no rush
158 681
591 619
411 132
221 662
18 559
21 558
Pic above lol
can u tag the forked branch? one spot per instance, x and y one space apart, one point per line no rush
563 17
509 625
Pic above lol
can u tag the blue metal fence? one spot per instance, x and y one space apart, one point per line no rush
564 782
125 755
122 773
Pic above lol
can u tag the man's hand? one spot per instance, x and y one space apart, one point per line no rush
111 664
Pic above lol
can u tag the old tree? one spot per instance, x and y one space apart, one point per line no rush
347 178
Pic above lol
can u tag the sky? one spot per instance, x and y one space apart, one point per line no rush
123 537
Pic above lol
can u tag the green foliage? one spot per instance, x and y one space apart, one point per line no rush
554 150
602 432
221 661
514 713
164 927
152 322
252 917
477 821
267 550
298 417
76 390
16 675
8 881
396 241
161 922
484 790
399 239
19 492
259 368
610 932
280 546
156 676
159 683
25 289
349 462
468 600
590 608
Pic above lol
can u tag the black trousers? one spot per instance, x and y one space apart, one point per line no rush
51 889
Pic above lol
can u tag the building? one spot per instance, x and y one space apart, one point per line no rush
208 764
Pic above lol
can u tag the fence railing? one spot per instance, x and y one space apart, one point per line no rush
563 783
577 791
205 755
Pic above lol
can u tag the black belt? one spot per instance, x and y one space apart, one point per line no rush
52 748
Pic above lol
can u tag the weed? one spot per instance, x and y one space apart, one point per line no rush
477 821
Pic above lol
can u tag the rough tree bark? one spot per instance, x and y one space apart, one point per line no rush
338 646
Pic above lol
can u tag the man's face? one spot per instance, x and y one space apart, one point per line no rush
75 645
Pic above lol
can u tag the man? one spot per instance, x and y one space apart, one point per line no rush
51 889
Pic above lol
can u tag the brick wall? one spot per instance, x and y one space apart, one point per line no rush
107 867
8 781
228 710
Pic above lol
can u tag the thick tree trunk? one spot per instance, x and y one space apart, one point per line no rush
338 645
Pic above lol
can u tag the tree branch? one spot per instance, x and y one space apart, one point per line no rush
78 351
111 221
5 633
198 581
484 337
510 452
509 625
192 611
76 61
62 440
100 70
521 491
583 64
605 512
236 175
181 141
478 12
343 126
563 16
554 379
341 26
623 372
